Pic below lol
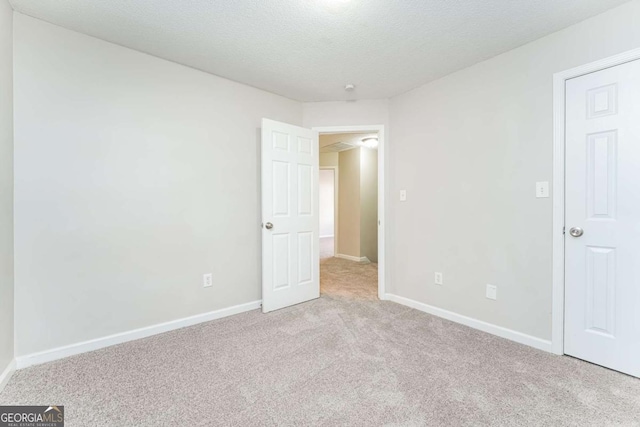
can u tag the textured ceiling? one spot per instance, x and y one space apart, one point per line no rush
309 49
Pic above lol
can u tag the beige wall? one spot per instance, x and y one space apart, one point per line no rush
123 204
349 203
369 204
328 159
6 185
358 203
468 148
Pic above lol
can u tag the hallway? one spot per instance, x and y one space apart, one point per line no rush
341 278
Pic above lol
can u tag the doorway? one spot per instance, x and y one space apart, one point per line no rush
350 255
290 212
600 243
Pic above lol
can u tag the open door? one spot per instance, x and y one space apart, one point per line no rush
290 269
602 211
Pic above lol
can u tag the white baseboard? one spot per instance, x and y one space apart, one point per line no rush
352 258
490 328
327 236
98 343
6 375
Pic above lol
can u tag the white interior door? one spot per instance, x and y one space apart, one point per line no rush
602 259
290 268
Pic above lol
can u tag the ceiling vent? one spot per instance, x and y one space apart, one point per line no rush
337 147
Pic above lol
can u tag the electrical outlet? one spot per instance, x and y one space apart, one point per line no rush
438 278
492 292
403 195
207 280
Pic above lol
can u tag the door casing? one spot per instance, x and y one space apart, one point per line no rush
381 192
559 79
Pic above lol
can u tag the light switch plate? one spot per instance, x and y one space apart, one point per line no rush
492 292
403 195
542 189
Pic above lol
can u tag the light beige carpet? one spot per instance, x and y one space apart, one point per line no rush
345 359
348 279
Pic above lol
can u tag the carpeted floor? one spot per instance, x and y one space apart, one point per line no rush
344 359
348 280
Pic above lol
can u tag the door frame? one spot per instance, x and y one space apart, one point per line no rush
381 192
558 284
336 190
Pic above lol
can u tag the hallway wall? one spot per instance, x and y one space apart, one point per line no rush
369 204
349 203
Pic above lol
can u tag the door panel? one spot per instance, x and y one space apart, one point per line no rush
290 271
602 294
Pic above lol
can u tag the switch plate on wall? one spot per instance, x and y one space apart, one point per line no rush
438 278
492 292
542 189
207 280
403 195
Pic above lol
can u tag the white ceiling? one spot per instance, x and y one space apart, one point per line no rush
309 49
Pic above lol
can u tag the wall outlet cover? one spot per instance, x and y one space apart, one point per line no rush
207 280
438 278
